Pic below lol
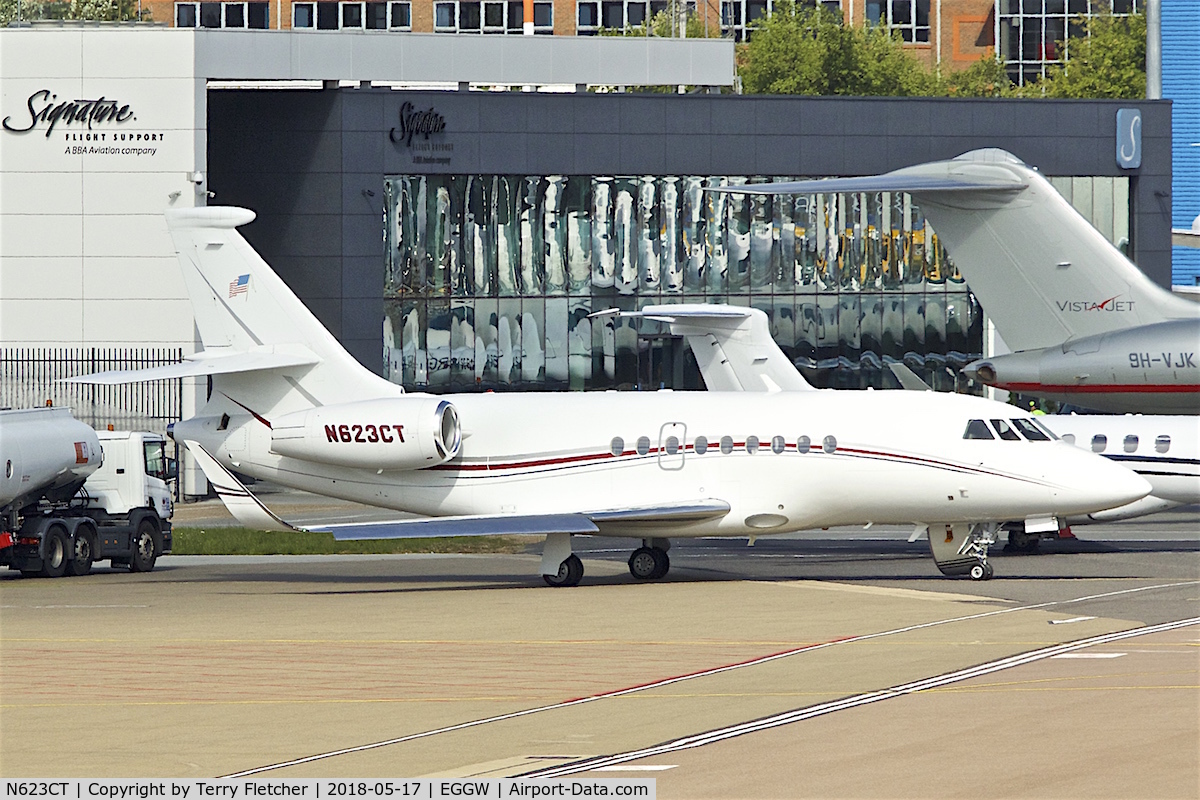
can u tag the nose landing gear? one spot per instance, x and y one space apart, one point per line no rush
963 549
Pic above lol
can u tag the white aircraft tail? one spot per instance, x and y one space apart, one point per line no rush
733 346
1041 271
262 345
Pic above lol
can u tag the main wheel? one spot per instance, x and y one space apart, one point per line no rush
979 571
1024 542
643 564
570 572
85 553
662 564
145 551
988 571
54 554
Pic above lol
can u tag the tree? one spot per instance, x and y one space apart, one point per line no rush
1107 60
808 50
985 78
106 10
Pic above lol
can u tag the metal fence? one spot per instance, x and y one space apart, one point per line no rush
32 377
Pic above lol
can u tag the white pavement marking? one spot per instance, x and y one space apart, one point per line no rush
1089 655
1069 621
777 720
680 678
638 768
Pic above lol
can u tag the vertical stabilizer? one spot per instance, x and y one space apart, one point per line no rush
242 306
1040 270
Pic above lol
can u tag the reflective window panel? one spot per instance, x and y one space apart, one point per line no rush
490 280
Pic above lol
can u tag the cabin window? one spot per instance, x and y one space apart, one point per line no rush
618 446
1005 430
1131 443
701 444
1099 442
1069 438
1031 431
978 429
726 444
751 444
672 445
803 444
829 444
778 444
1162 443
643 445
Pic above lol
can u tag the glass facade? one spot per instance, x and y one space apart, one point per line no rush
490 280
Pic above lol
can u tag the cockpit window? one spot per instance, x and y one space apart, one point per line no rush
1162 443
1030 431
1069 438
1042 427
1131 443
1005 430
978 429
1099 442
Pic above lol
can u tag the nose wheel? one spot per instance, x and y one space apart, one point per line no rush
981 571
649 563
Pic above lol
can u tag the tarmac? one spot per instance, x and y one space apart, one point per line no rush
831 664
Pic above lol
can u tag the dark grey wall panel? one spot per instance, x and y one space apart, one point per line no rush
302 160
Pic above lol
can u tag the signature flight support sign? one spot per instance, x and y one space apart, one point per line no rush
85 126
420 125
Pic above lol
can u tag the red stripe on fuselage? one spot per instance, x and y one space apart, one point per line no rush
1104 388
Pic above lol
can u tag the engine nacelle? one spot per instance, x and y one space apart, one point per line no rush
393 433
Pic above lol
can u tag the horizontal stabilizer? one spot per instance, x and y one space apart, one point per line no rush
243 505
207 362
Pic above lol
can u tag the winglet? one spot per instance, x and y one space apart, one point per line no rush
244 506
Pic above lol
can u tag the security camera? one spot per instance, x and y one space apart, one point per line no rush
197 178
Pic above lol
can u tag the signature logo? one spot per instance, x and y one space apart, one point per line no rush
1111 304
416 123
43 109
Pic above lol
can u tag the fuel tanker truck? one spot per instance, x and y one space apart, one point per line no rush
71 496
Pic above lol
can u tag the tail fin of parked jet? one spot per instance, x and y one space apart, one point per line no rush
733 346
1041 271
251 322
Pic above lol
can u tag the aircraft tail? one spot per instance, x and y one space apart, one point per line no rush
1041 271
733 346
261 343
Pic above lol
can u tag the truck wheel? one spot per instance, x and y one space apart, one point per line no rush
54 554
145 552
85 553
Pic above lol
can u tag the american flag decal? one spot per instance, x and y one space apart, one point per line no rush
240 286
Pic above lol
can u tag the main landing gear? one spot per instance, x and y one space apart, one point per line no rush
650 562
560 567
570 572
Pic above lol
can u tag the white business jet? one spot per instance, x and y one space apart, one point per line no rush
289 405
1088 326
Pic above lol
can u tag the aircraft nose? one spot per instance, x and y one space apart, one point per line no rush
1103 484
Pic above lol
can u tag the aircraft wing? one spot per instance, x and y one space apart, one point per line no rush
207 363
249 510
